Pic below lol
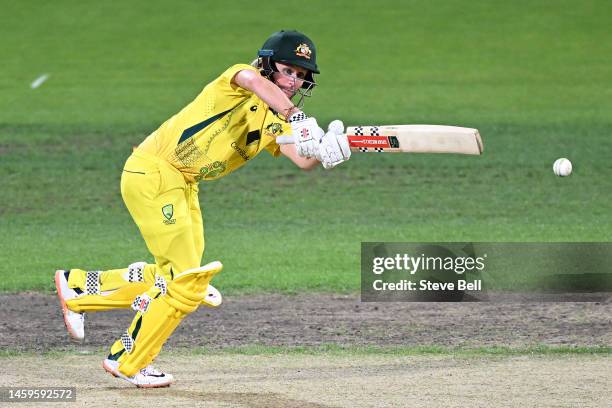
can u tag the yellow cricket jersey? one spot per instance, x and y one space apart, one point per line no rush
218 132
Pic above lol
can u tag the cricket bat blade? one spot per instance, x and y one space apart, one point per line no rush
415 139
410 139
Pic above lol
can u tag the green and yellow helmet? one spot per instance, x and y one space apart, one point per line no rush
290 47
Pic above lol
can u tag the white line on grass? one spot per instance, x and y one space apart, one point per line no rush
39 81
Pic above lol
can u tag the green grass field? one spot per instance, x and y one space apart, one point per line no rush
533 76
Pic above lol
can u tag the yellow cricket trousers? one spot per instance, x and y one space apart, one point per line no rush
166 210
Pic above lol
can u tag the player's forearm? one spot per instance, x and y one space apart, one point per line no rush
304 163
267 91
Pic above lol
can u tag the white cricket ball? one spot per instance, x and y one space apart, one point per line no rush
562 167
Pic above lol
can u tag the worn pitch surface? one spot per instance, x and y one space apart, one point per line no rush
33 322
308 381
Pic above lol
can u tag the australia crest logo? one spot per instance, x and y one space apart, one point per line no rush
168 212
274 129
303 50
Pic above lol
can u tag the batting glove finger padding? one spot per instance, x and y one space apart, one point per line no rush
337 127
334 147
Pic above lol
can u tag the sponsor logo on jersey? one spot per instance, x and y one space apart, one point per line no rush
211 170
240 151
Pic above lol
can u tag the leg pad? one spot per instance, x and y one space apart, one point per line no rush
152 329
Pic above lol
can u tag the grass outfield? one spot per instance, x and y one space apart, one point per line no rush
534 79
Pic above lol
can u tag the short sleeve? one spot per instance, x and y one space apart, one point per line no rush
225 79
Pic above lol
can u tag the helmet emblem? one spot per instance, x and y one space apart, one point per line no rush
303 50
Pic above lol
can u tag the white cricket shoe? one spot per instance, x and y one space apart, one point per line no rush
75 322
147 377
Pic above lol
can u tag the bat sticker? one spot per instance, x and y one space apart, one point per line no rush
369 141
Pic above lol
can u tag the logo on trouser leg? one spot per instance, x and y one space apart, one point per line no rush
168 211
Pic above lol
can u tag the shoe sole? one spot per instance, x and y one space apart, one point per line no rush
119 375
60 295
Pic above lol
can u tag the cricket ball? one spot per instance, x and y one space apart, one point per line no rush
562 167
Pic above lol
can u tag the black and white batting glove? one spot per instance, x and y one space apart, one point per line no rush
334 146
306 134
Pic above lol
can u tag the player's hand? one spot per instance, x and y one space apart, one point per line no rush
306 134
334 146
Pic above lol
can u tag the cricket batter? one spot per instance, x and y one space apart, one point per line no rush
235 117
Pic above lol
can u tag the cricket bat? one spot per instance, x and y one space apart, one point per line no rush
411 139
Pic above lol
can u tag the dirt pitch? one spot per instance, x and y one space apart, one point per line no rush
321 319
32 323
308 381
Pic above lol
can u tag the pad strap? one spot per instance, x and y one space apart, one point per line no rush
161 284
92 283
135 272
127 341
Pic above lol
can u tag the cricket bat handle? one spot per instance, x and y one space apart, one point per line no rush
284 140
281 140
